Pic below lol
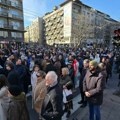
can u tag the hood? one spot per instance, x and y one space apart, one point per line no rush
20 97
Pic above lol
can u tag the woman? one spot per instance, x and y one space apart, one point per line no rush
39 92
17 106
34 77
103 71
67 90
4 99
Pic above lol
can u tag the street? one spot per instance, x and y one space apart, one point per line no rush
109 110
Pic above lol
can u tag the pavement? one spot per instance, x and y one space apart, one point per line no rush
110 109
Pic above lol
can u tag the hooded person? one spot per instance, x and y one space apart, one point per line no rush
17 107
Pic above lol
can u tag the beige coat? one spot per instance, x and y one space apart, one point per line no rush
4 103
38 95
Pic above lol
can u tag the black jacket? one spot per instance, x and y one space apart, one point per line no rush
21 71
52 108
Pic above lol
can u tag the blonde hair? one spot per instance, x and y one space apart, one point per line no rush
65 70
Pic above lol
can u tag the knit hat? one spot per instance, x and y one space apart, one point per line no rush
15 90
93 63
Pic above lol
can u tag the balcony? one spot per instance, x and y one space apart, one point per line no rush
11 27
18 6
12 4
3 2
3 14
15 16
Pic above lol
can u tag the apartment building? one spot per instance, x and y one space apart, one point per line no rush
11 21
34 31
73 23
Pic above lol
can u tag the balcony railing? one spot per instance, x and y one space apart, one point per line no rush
11 27
15 16
19 6
9 3
3 13
2 2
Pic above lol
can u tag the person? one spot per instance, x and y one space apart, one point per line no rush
13 76
92 86
39 92
52 108
17 109
4 99
49 66
84 71
34 77
71 71
20 69
67 90
103 71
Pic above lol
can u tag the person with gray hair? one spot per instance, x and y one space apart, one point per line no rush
52 108
51 79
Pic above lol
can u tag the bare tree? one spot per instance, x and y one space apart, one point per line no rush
82 29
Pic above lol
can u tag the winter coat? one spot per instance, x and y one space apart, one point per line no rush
104 73
49 67
52 108
17 108
4 101
93 83
33 79
84 71
39 94
65 80
57 66
21 71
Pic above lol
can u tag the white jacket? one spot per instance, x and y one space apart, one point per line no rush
33 79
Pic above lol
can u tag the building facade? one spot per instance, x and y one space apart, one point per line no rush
74 23
34 31
11 21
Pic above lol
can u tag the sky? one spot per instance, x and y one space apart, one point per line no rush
35 8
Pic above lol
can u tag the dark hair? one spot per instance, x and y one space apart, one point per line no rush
36 66
15 90
3 81
41 73
10 64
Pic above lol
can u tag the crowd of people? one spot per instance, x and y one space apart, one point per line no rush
54 74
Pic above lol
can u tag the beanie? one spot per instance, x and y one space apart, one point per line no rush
94 63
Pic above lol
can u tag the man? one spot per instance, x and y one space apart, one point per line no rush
20 69
52 108
13 76
84 71
93 88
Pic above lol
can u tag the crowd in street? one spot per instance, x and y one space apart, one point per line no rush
54 73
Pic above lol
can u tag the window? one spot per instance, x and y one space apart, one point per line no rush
16 35
3 34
